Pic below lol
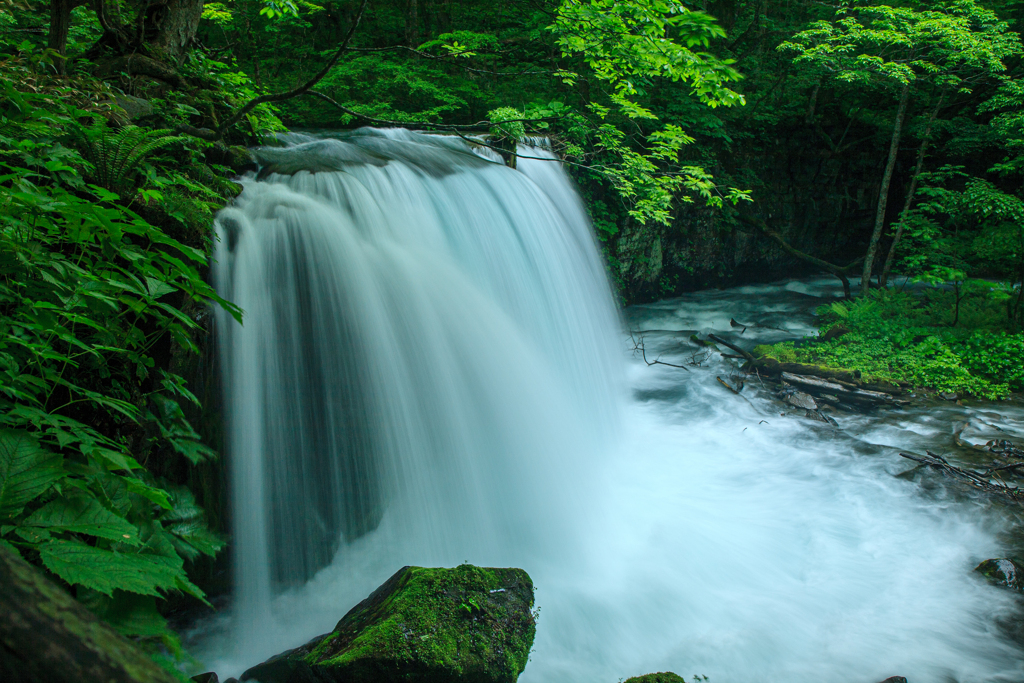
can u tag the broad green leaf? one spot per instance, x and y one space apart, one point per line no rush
83 514
26 470
107 570
115 460
158 496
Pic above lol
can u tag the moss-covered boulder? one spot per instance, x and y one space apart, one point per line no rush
463 625
662 677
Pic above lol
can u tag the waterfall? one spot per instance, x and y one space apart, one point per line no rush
432 370
426 332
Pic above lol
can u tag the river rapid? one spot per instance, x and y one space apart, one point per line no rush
668 524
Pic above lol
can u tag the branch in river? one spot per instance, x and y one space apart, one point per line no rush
638 345
973 478
746 354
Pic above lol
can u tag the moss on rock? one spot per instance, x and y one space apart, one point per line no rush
662 677
462 625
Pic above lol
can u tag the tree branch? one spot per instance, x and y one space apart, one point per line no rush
301 89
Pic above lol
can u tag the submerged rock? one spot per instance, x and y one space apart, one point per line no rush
1004 572
463 625
663 677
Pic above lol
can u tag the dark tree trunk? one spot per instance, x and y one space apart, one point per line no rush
412 23
883 192
170 27
910 193
60 21
46 636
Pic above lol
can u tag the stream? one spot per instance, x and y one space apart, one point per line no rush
506 419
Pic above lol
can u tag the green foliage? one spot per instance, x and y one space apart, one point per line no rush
906 338
508 124
89 294
116 156
947 42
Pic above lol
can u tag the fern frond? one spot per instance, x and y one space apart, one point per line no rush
116 155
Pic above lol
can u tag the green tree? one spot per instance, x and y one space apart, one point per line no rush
949 47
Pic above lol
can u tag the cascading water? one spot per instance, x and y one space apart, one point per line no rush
425 330
431 371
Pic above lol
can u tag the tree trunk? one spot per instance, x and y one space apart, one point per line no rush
46 636
412 23
60 22
883 192
910 193
170 27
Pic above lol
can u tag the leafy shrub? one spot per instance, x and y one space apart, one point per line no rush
89 295
902 337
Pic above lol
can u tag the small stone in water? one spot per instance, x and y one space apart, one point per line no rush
802 400
1002 571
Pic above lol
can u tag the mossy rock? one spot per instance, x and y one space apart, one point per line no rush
663 677
1004 572
463 625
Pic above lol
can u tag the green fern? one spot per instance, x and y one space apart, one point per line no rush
116 155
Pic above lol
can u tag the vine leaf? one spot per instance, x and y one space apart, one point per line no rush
26 470
84 515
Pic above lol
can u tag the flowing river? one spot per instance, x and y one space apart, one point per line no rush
432 371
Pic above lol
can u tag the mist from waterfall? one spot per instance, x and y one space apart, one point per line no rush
432 370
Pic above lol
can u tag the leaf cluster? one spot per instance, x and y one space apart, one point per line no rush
89 294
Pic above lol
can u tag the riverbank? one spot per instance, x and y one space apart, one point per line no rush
929 340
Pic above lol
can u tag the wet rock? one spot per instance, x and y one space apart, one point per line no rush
948 395
1004 572
463 625
802 400
663 677
895 679
208 677
134 107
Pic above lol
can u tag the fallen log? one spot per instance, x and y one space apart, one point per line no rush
840 390
772 367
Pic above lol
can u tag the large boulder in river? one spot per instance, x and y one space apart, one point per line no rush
463 625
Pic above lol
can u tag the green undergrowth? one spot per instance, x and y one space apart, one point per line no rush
104 231
922 339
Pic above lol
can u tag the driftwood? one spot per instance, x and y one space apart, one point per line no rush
979 481
46 636
768 366
839 390
746 354
735 390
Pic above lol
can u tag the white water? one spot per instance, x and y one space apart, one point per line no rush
460 310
